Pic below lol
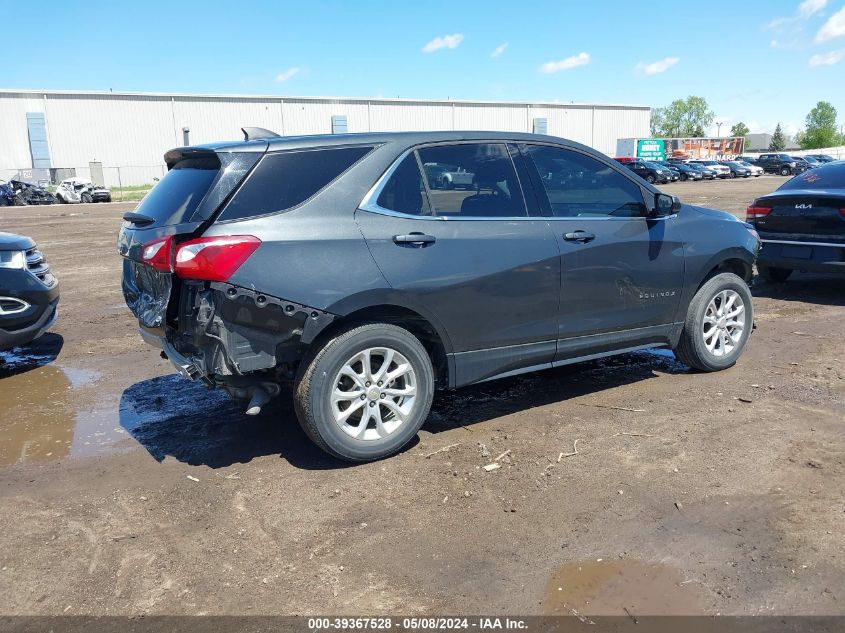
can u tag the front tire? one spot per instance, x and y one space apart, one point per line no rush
774 274
785 171
650 179
86 198
719 321
365 393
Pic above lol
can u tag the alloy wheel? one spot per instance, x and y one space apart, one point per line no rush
724 323
374 393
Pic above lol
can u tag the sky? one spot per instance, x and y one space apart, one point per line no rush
756 61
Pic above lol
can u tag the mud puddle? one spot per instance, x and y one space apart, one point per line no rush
622 587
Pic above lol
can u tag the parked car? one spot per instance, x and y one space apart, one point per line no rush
687 172
822 158
721 170
809 161
7 194
738 170
782 164
802 224
448 176
392 288
73 190
648 171
674 172
30 194
29 293
749 160
756 170
706 172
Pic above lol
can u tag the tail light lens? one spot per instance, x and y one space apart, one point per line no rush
213 258
755 212
159 254
842 212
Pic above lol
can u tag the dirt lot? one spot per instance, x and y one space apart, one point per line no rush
127 490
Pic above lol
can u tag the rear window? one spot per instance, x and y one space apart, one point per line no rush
176 197
285 180
829 176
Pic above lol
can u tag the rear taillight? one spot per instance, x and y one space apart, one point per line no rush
159 254
842 212
755 212
213 258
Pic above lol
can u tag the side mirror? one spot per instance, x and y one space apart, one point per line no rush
665 205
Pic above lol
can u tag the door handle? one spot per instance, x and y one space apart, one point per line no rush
581 237
414 239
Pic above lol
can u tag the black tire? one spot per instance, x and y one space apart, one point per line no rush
448 184
683 177
650 178
773 273
691 349
20 201
732 175
785 171
312 399
86 198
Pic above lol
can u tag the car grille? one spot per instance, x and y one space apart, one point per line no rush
38 266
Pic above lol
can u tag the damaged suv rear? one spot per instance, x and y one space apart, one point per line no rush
335 266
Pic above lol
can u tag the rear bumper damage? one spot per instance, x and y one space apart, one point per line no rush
244 341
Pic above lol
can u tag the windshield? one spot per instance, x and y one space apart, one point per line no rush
828 176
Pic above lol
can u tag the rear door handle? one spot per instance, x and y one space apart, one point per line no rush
579 236
414 239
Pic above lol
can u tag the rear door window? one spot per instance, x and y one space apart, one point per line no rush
475 180
580 186
284 180
404 192
175 198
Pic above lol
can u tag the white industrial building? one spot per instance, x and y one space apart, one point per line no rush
127 133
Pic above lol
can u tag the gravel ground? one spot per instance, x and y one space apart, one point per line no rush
126 490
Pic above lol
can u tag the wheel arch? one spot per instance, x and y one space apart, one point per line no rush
391 308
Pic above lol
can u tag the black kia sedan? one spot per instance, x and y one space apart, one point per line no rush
802 224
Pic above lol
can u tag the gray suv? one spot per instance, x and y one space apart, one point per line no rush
334 267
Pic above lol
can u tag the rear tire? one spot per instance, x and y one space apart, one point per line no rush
384 417
774 274
716 329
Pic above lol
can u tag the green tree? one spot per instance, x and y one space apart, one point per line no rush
821 127
739 129
778 142
682 118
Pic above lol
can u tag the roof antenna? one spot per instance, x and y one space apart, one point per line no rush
251 133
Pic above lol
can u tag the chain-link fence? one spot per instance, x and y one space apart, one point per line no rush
126 182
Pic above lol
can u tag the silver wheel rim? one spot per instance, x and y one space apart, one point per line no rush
724 323
374 393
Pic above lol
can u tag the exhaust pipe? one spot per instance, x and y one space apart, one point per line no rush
261 395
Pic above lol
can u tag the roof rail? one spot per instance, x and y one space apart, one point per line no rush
251 133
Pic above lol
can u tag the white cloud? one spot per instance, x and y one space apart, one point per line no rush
287 74
581 59
809 7
447 41
828 59
833 28
657 67
498 50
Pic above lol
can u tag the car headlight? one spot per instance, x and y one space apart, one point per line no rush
13 259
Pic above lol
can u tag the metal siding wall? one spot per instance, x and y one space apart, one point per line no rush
114 130
14 139
395 117
135 130
504 118
303 116
220 119
570 122
615 123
